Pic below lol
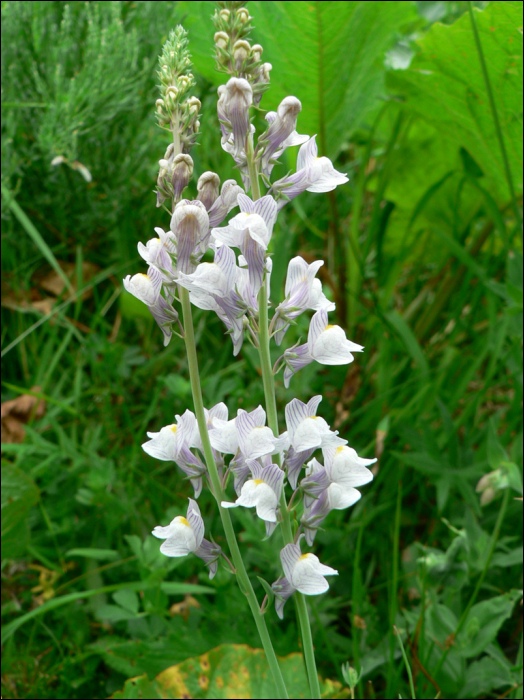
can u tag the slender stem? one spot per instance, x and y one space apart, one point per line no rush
480 580
393 603
242 577
252 167
406 663
272 419
494 112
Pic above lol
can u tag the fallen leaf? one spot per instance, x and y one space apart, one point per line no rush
18 411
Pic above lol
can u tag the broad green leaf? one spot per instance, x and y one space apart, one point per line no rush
444 85
114 613
229 671
483 623
485 675
127 599
512 558
328 54
19 494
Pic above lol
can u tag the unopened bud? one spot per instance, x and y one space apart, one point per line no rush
487 496
194 105
241 51
182 171
221 40
183 81
243 15
256 52
159 103
224 15
266 68
208 186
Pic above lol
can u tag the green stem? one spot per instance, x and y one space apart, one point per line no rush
406 663
252 168
268 380
480 581
272 420
393 603
494 112
242 577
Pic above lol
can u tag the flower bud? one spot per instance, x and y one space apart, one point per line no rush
224 15
241 51
243 15
172 92
182 171
221 40
256 52
208 186
194 105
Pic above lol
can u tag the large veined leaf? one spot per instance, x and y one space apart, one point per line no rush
445 85
229 671
328 54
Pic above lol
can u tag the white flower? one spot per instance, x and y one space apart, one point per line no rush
345 468
302 572
307 430
167 444
246 433
182 535
216 278
302 292
185 535
328 344
313 174
145 287
263 491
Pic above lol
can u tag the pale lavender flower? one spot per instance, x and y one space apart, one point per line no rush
281 126
246 433
190 226
327 344
182 171
303 573
251 231
235 99
208 188
307 430
313 174
332 487
216 278
158 252
172 443
302 292
146 288
263 492
225 202
186 534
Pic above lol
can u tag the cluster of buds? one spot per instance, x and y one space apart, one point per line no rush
233 53
178 113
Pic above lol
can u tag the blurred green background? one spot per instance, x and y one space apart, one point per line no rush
423 253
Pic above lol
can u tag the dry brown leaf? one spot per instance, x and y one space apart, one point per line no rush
18 411
54 284
183 608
